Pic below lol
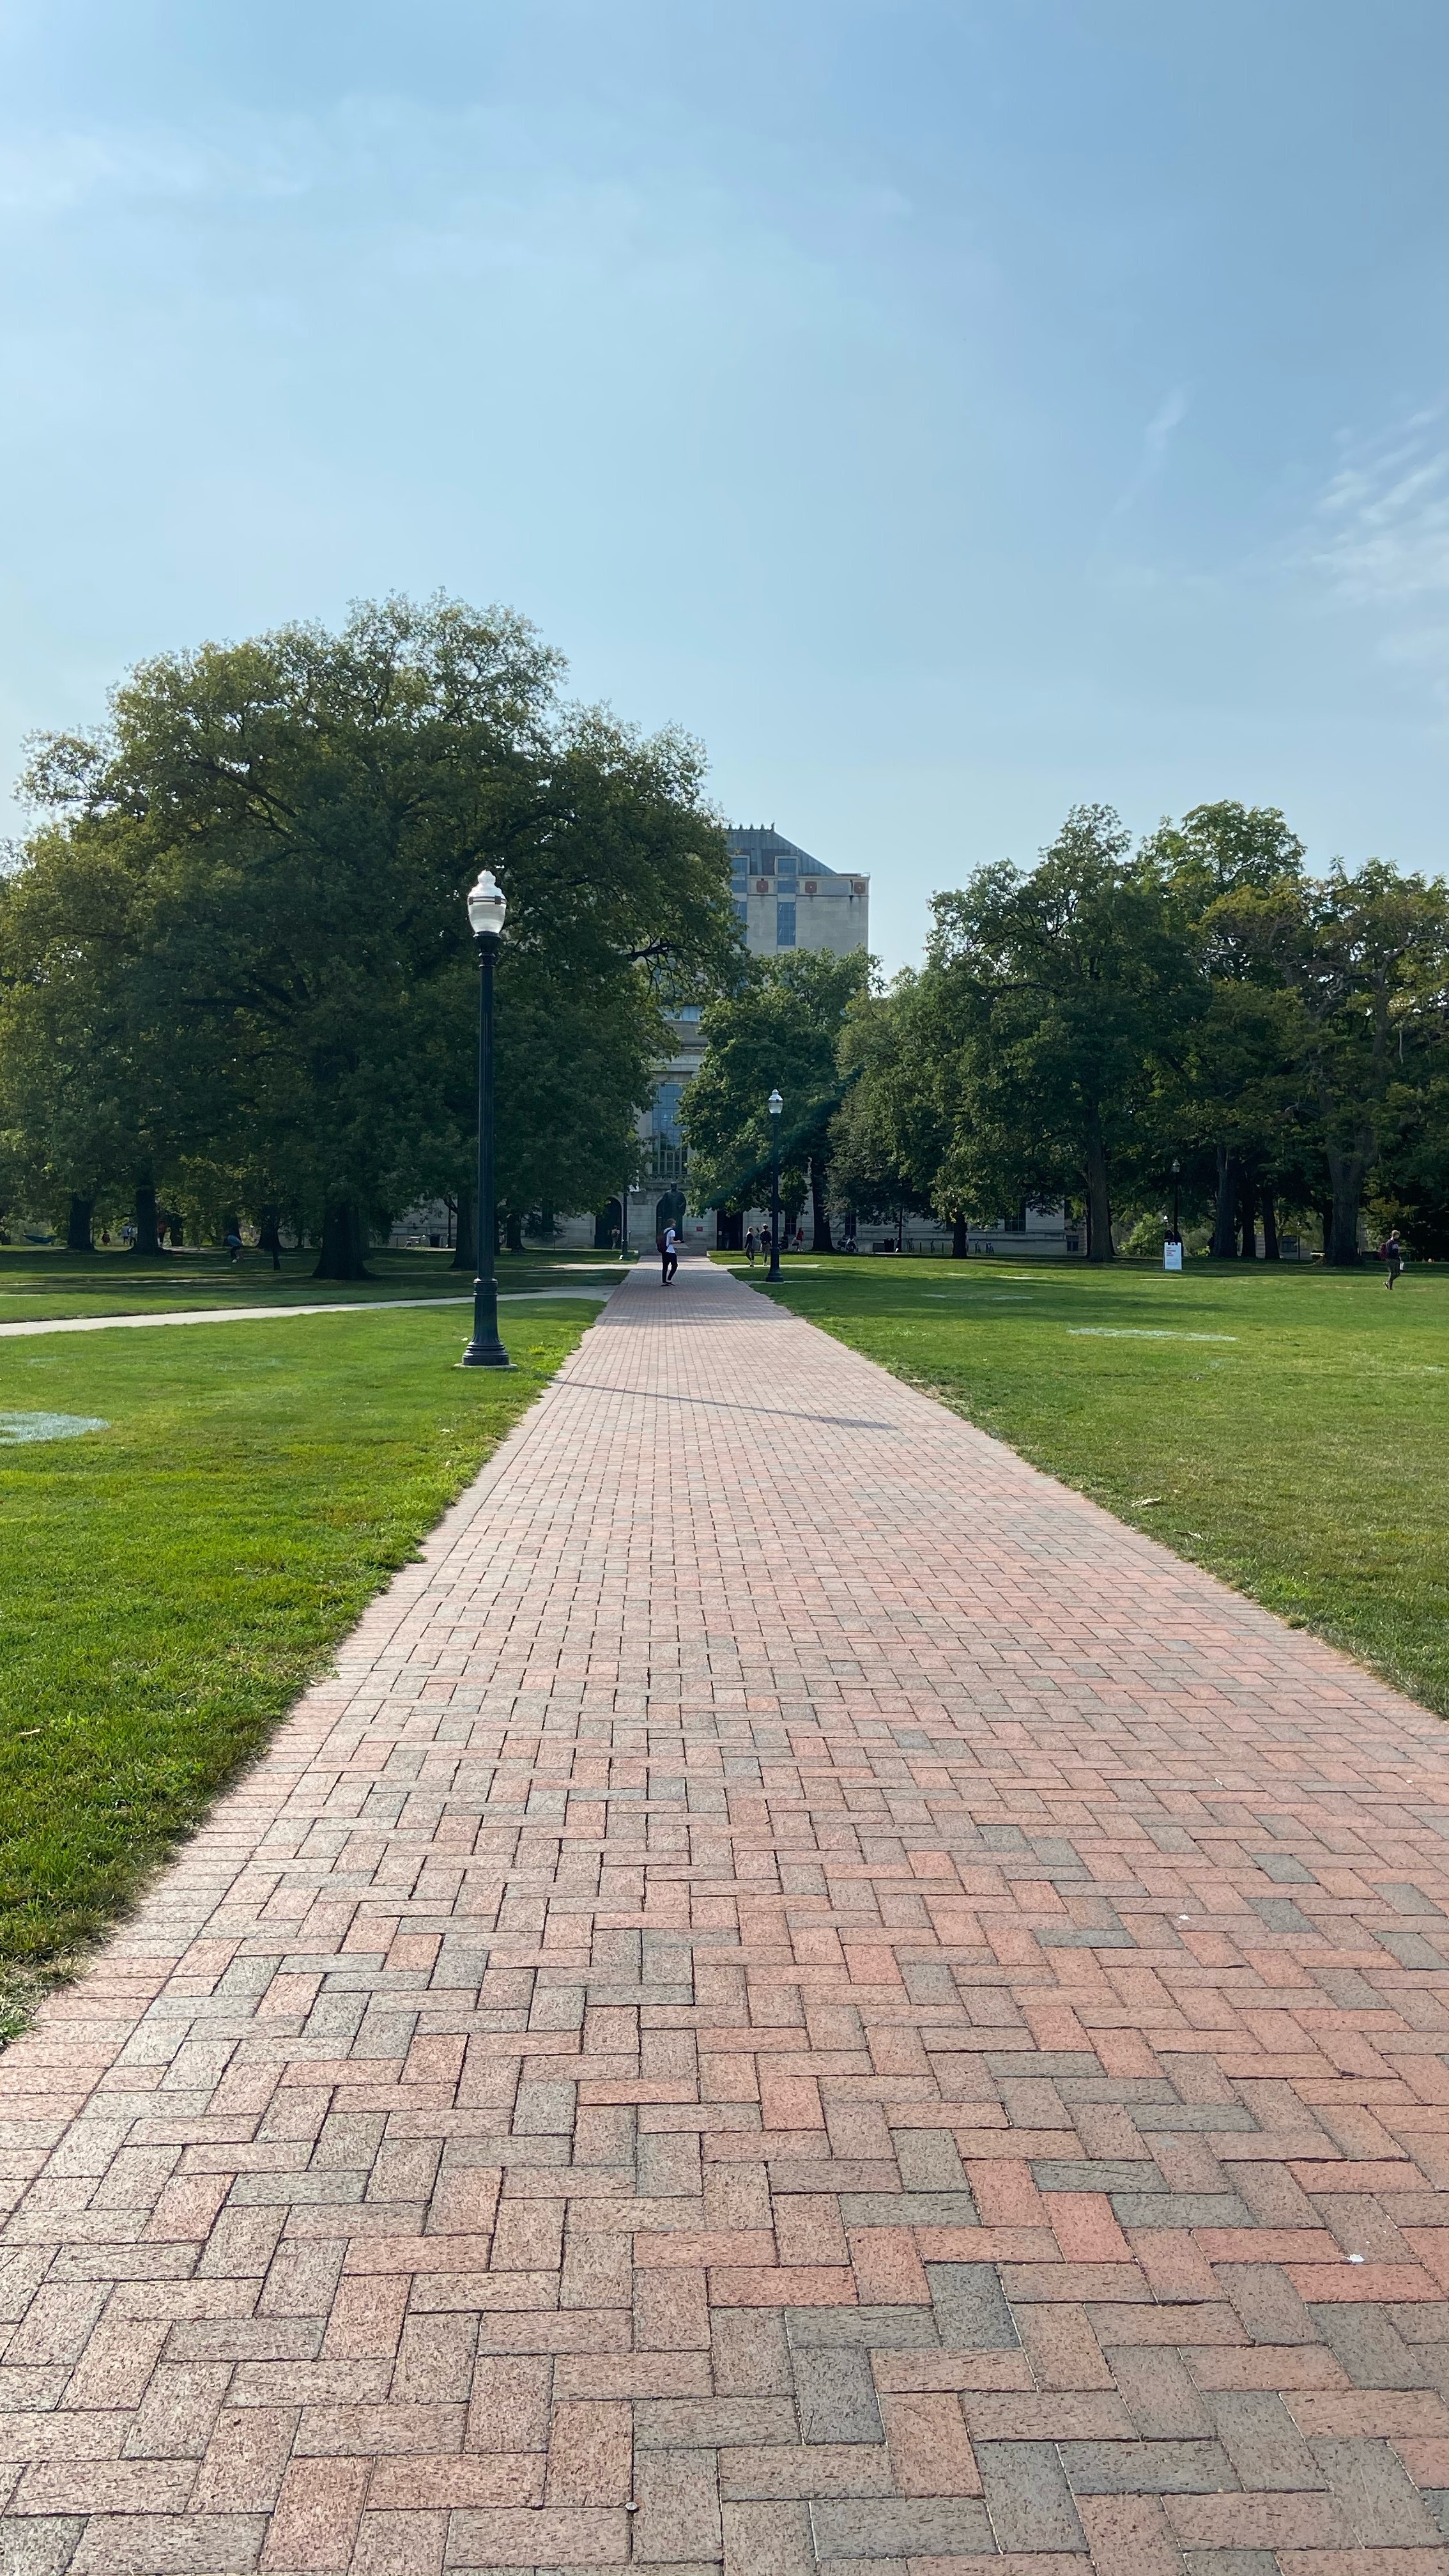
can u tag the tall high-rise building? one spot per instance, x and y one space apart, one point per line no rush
784 900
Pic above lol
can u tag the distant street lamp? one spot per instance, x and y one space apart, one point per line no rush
1175 1236
776 1105
486 909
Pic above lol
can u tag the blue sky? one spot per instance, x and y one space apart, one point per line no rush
948 411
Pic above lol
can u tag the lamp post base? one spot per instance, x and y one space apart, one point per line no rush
485 1349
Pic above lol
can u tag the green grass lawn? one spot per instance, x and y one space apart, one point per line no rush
36 1282
1284 1427
170 1582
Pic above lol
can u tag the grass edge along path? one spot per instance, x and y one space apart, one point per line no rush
171 1583
50 1284
1282 1429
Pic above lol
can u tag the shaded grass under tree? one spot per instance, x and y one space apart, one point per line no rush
37 1282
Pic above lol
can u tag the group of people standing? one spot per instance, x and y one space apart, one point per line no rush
762 1243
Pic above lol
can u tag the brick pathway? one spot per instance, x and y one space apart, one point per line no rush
804 1997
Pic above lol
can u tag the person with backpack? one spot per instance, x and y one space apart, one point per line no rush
668 1243
1391 1250
750 1247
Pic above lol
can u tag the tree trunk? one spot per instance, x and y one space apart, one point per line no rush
1099 1206
78 1226
147 1240
1224 1242
514 1235
465 1256
344 1242
1248 1217
960 1245
1270 1224
819 1213
1347 1172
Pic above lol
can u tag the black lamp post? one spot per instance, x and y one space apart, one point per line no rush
776 1105
1175 1236
486 908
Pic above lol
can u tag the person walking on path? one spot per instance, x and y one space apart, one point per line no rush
750 1247
1391 1250
668 1245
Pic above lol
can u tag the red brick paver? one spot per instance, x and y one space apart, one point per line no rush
803 1998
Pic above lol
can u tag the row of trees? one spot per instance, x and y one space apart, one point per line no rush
235 973
235 968
1078 1027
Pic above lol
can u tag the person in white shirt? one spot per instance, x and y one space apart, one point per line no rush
671 1254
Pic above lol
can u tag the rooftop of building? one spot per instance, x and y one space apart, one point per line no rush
763 850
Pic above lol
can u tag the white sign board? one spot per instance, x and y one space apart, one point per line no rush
1172 1256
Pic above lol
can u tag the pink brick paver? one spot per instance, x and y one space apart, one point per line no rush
802 1997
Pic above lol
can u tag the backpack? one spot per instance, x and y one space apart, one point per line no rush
659 1243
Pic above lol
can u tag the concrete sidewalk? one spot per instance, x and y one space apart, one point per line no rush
270 1314
803 1997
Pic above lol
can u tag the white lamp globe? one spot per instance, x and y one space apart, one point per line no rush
487 905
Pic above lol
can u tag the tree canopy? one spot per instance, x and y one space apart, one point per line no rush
1080 1026
242 923
779 1029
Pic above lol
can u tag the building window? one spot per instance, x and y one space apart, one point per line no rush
1015 1224
666 1112
785 922
742 912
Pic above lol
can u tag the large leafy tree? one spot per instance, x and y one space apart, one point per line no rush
1365 953
92 1096
296 820
1059 995
1234 1109
780 1029
892 1131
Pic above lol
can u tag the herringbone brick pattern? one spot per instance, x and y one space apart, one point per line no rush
803 1998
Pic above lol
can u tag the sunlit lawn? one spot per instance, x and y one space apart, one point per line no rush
1284 1426
170 1581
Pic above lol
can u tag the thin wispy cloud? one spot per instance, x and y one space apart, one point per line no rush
96 168
1169 416
1379 536
1381 529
